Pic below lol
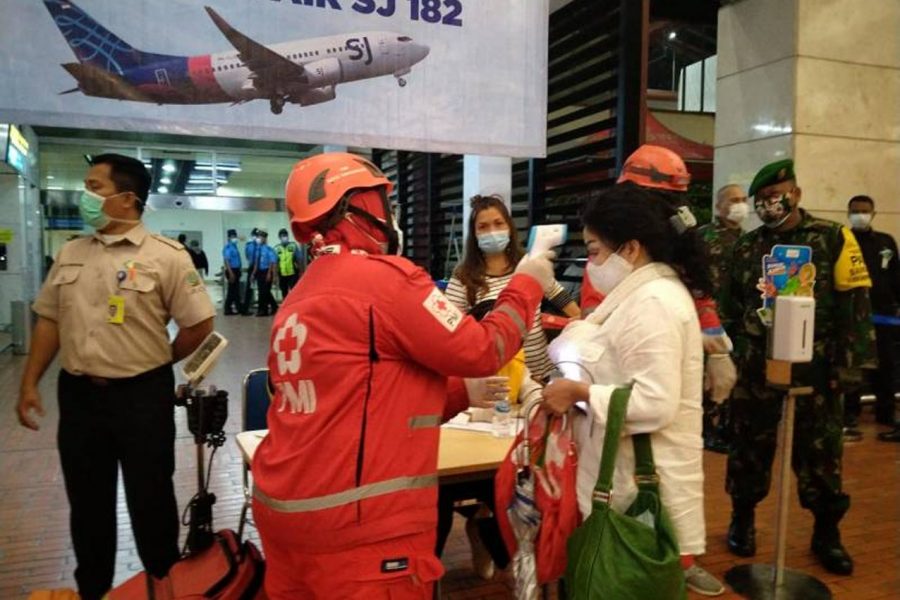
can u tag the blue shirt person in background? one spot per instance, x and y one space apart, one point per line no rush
231 259
264 272
250 255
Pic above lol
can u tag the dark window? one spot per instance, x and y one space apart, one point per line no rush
404 38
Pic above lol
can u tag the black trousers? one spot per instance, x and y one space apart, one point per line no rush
883 381
265 303
248 292
287 283
488 529
104 424
233 295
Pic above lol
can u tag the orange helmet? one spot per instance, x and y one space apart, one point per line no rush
317 189
656 167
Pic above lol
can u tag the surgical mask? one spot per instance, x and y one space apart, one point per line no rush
90 207
611 273
494 242
232 240
773 212
284 239
860 221
737 213
258 240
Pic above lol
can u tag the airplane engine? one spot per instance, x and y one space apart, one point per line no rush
323 72
316 96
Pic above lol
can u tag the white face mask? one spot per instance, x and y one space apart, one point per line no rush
607 276
860 221
737 213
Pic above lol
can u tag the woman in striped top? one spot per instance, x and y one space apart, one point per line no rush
492 253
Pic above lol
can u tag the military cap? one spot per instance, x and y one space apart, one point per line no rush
772 173
232 233
262 233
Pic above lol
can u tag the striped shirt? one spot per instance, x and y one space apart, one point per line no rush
535 343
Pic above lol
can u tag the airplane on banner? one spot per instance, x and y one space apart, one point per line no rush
303 72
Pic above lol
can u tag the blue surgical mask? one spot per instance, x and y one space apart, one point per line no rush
493 242
90 206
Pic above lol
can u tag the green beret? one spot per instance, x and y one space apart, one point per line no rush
772 173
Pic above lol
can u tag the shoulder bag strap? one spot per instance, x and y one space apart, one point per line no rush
615 420
644 467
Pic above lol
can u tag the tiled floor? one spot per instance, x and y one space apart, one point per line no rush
35 551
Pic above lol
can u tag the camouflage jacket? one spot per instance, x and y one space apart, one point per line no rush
844 335
719 240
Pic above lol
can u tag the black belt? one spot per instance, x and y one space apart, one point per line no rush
113 381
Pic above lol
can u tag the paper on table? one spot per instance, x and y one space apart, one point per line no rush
461 421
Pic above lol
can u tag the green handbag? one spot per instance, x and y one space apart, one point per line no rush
616 556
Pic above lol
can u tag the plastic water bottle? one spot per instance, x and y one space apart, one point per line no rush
501 419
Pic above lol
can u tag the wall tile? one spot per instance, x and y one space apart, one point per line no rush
832 170
755 104
863 31
754 32
838 98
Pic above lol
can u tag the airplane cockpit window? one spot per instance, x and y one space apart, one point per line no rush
404 38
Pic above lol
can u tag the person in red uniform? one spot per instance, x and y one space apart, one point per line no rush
345 484
659 168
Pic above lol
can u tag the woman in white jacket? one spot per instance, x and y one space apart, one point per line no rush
643 256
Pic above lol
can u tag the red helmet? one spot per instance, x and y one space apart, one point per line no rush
319 184
656 167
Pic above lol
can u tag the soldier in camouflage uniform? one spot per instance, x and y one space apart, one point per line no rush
844 343
720 236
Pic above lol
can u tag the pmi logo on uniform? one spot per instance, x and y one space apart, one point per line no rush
298 396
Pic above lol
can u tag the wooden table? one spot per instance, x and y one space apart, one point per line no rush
462 456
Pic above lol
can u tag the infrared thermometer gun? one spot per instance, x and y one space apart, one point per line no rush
546 237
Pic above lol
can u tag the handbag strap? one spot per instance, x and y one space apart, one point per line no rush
615 421
644 467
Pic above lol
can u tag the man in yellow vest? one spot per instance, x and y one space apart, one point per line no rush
289 263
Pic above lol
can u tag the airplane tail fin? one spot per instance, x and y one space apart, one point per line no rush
92 43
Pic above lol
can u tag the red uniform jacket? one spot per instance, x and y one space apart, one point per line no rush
359 358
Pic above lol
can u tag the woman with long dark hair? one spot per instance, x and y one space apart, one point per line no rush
492 253
650 264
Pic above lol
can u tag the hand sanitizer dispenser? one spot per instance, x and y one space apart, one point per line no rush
792 332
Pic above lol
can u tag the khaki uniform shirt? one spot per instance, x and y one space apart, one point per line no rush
151 275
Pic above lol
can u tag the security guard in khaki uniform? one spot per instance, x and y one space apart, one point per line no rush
104 307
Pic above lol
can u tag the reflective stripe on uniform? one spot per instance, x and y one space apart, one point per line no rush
511 312
501 349
423 421
356 494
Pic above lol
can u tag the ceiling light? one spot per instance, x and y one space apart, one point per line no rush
166 180
168 168
50 177
672 35
162 190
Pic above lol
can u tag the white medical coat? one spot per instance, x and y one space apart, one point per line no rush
653 340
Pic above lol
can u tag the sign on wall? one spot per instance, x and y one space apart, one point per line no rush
456 76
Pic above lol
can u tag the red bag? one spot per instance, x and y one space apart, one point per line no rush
227 570
550 452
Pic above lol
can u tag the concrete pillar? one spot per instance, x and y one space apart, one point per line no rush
485 175
819 81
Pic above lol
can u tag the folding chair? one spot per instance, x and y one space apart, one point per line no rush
254 406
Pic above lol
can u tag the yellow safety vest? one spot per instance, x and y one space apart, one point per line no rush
286 258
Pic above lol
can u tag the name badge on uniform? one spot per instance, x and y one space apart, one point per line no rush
115 310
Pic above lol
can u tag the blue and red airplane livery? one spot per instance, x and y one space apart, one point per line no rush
300 72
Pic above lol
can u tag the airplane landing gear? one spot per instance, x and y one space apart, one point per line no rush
276 105
401 82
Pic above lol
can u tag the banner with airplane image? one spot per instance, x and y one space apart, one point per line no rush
455 76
